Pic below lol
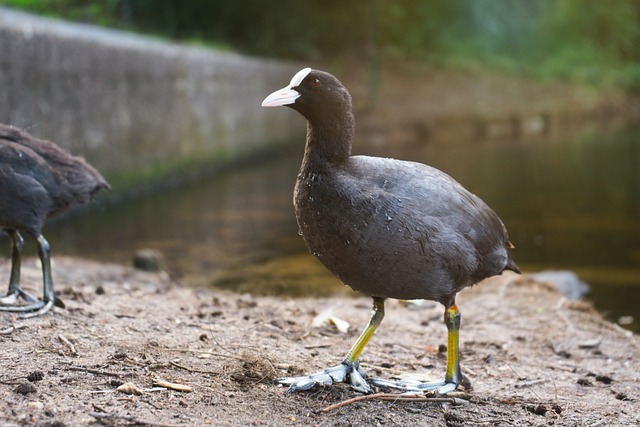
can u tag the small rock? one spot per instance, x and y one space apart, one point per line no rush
119 355
35 376
538 409
246 301
605 379
36 405
593 343
25 388
566 282
150 260
625 320
584 382
621 396
129 388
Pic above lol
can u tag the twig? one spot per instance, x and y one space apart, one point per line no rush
97 372
173 386
68 343
197 371
131 419
204 352
521 378
530 383
11 329
394 397
312 346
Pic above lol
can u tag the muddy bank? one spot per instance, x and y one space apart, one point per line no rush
204 357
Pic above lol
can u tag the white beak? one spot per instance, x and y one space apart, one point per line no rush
286 95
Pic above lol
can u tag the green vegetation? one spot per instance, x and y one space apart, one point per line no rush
589 41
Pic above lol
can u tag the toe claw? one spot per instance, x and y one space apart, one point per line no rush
358 382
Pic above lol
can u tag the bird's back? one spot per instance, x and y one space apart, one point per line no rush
67 180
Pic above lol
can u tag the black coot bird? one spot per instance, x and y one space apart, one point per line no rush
385 227
38 180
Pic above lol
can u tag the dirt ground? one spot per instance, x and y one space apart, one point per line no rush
533 357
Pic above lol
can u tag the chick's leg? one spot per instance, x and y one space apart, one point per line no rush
35 307
15 291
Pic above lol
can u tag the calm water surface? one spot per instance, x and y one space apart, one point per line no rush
569 203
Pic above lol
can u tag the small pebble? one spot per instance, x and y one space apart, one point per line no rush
605 379
150 260
35 376
36 405
538 409
25 388
129 388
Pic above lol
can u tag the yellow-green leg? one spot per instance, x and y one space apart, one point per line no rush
452 376
376 317
452 320
349 365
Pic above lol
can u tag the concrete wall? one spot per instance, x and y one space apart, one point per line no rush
134 106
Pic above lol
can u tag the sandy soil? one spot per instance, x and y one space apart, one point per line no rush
533 357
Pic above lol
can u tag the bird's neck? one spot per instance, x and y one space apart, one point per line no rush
329 142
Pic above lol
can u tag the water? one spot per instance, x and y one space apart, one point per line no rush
569 203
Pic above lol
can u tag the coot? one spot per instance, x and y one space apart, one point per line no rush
38 180
385 227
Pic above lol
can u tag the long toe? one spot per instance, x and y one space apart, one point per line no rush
440 387
30 310
328 376
39 312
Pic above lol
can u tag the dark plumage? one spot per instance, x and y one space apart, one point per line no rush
38 180
385 227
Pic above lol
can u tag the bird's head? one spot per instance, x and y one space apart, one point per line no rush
314 94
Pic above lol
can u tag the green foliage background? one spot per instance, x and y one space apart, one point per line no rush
590 41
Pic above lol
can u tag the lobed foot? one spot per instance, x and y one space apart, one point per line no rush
329 376
30 310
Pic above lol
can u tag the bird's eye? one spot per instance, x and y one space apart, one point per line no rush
315 82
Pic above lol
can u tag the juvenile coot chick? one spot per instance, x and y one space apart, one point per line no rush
385 227
38 180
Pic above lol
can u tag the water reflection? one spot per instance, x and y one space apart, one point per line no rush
569 203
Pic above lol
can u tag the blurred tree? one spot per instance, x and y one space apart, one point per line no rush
582 39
